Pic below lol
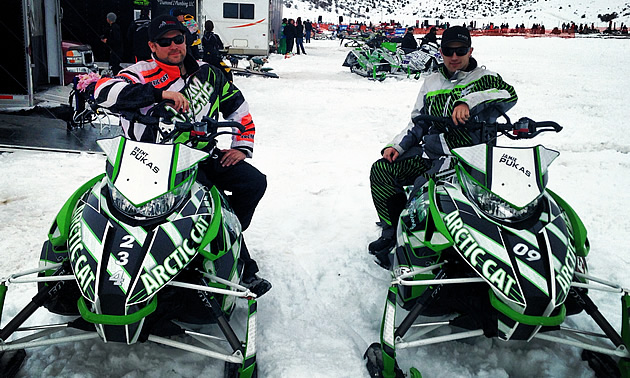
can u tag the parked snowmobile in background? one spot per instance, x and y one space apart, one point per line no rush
489 250
379 58
355 41
255 66
425 59
143 252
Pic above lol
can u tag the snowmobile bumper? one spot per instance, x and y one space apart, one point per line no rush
600 350
624 363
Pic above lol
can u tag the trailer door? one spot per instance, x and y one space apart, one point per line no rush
16 86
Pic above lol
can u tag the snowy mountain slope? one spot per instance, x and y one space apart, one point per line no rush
550 13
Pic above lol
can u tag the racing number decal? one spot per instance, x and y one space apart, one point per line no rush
118 278
522 250
127 242
123 258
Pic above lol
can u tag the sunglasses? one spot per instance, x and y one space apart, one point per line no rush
166 42
460 51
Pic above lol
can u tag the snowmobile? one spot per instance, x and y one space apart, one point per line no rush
379 58
355 41
143 252
488 250
255 66
425 59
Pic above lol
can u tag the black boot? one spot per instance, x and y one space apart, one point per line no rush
384 260
250 279
385 243
256 284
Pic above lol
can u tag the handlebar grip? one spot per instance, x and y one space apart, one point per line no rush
138 117
428 117
213 124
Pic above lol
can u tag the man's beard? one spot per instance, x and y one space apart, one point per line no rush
180 63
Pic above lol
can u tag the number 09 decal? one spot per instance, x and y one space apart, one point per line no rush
523 250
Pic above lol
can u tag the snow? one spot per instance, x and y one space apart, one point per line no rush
319 129
550 13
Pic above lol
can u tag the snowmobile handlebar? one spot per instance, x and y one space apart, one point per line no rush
524 128
205 130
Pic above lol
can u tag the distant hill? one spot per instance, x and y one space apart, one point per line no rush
550 13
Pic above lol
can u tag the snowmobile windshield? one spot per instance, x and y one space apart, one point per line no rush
493 205
154 208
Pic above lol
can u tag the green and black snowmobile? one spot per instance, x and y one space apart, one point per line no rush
488 250
143 252
379 58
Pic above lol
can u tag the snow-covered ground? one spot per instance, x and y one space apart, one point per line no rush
319 128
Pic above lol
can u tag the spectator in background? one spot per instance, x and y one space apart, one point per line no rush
430 37
290 33
282 44
299 36
308 31
409 42
212 46
113 40
192 41
138 34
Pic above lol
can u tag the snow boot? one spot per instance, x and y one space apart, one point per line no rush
256 284
385 243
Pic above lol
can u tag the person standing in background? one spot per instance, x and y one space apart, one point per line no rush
212 46
299 36
138 34
308 31
113 40
192 46
282 44
290 33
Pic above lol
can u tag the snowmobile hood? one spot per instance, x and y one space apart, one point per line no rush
144 171
516 174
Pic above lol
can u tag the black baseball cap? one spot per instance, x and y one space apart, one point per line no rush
456 34
162 24
179 12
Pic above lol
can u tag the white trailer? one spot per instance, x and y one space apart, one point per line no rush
248 27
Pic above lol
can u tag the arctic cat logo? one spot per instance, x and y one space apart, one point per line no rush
467 246
565 274
511 161
176 261
143 157
78 260
200 93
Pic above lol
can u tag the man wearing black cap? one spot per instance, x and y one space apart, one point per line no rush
198 90
460 90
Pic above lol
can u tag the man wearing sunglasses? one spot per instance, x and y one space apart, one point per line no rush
196 89
461 90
